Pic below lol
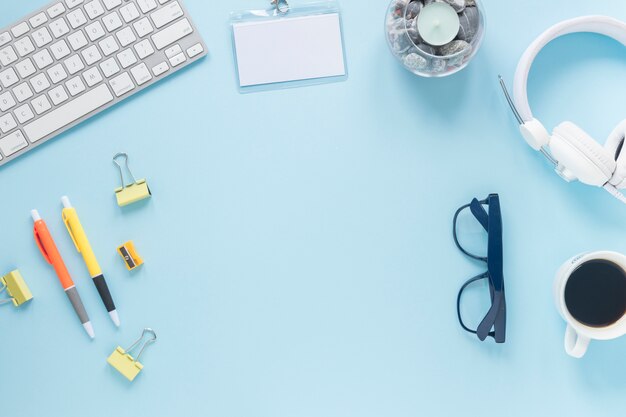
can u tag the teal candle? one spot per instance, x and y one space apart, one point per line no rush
438 23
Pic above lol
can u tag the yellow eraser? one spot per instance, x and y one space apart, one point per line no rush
124 363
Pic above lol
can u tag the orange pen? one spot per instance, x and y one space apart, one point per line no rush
51 254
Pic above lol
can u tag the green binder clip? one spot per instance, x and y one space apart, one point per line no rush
16 288
132 192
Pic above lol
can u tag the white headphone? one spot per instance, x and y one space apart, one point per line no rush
575 154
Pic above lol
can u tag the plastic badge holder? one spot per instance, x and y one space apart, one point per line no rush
288 46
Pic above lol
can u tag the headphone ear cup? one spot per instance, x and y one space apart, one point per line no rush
614 145
581 155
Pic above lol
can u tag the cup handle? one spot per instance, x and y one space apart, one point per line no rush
575 344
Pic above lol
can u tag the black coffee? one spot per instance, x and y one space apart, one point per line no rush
595 293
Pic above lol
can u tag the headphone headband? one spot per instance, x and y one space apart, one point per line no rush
602 25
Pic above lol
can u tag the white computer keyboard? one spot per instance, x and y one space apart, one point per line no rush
74 58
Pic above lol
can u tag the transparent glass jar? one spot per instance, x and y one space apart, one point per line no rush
405 41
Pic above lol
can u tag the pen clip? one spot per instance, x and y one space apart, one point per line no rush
40 246
66 221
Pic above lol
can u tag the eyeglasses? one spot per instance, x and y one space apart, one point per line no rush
494 322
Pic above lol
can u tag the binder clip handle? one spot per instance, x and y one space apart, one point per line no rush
123 155
282 7
153 339
3 287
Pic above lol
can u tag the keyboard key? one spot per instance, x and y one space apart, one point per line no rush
68 113
111 4
59 28
144 49
42 37
7 56
166 14
20 29
172 33
122 84
41 104
141 74
91 55
172 51
38 20
8 77
77 40
6 101
147 5
109 46
75 86
56 10
143 27
7 123
95 31
24 46
92 76
58 95
109 67
195 50
39 83
160 68
73 3
60 49
4 38
24 113
43 59
163 1
57 74
94 9
13 143
126 36
76 18
129 12
74 64
178 59
22 92
112 21
126 58
25 68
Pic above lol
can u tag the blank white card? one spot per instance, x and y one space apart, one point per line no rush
289 49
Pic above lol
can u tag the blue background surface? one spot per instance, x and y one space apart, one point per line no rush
299 258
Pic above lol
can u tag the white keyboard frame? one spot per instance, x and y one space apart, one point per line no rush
159 56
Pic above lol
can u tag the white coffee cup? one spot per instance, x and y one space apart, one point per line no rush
578 335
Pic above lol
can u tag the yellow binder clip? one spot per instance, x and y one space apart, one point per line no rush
16 287
124 363
133 192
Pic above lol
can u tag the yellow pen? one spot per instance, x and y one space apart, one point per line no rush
77 233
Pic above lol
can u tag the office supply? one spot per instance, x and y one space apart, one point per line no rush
491 222
435 38
16 288
133 191
130 256
124 363
574 154
72 59
590 295
51 254
288 46
77 233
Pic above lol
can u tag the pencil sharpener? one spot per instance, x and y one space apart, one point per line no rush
129 254
434 38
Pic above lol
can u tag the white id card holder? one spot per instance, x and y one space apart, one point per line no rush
288 46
